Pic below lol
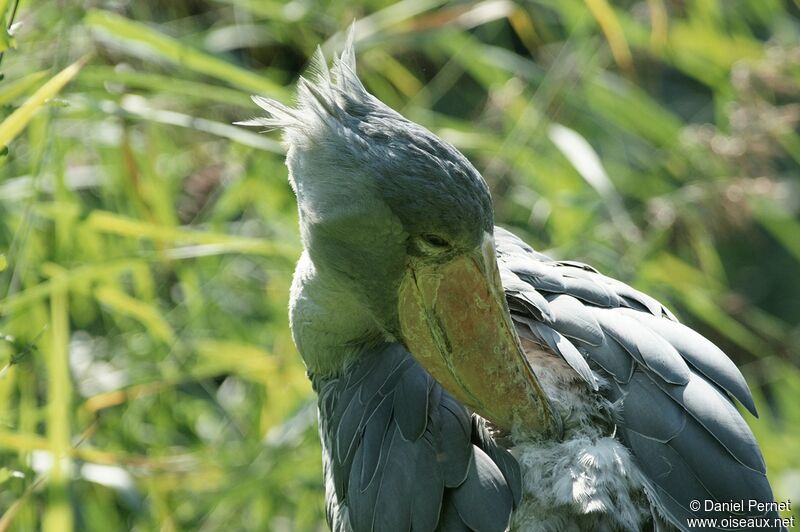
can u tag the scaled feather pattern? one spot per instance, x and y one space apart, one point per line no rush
668 389
401 454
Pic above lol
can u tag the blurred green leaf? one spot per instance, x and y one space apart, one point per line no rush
149 316
6 40
16 122
783 226
118 28
106 222
163 84
604 14
79 275
155 238
11 90
138 108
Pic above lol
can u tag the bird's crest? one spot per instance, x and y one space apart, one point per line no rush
323 94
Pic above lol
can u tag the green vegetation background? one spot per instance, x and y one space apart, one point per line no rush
147 377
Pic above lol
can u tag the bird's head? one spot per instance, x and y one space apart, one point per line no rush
405 223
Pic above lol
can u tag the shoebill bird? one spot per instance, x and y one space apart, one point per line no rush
468 382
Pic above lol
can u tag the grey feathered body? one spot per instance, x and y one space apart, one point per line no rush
646 404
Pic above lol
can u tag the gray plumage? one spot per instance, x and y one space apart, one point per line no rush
401 454
673 387
645 404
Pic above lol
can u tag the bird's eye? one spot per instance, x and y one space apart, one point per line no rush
435 241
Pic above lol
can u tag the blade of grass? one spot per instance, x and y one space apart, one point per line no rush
16 122
149 316
249 361
58 512
6 38
136 107
8 516
119 28
612 29
163 85
628 106
110 223
74 277
14 89
659 23
586 162
32 442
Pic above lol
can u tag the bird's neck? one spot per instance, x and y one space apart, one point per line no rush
329 324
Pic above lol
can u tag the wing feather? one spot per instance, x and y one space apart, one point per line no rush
411 404
642 401
397 448
645 346
373 442
715 412
669 383
561 345
704 356
613 358
573 319
482 500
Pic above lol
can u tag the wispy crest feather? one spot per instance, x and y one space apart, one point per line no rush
323 93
